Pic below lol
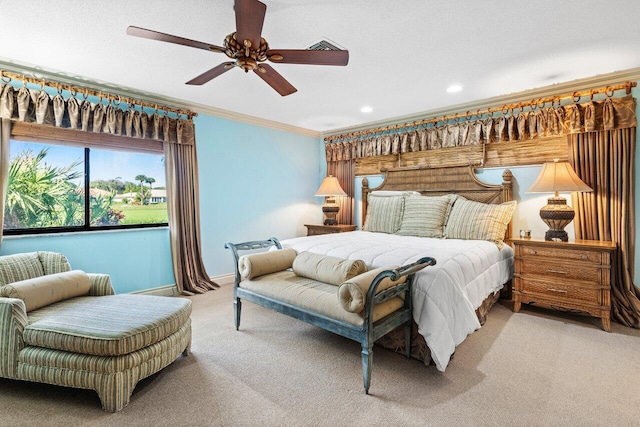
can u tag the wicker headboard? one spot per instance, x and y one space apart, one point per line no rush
460 180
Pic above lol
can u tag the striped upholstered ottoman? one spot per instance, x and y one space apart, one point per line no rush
67 330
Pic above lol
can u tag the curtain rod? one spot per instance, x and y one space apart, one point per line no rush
534 104
102 95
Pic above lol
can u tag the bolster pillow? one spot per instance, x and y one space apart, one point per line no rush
44 290
255 265
353 293
327 269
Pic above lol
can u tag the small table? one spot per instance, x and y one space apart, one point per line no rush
316 229
572 276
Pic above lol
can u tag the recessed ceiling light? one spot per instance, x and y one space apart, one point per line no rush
366 109
454 88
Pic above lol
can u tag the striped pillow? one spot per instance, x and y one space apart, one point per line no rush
14 268
479 221
424 216
384 213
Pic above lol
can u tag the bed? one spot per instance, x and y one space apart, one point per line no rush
450 299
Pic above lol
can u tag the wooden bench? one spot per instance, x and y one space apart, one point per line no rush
337 295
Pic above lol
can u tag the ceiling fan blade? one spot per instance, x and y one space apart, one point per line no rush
275 80
314 57
249 20
155 35
211 74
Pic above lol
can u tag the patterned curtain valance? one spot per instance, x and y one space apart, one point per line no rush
38 106
608 114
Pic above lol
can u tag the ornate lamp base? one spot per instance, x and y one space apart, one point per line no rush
557 215
330 210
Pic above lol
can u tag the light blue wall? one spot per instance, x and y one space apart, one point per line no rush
254 183
135 259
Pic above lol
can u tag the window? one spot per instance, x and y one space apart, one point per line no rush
48 183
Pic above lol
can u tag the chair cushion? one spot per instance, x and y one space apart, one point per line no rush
44 290
53 262
14 268
110 325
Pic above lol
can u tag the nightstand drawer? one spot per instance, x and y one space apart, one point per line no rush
577 271
556 290
562 253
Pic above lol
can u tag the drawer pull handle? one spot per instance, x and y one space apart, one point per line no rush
584 256
551 270
560 291
532 252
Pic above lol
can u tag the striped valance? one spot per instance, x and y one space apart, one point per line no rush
37 106
610 113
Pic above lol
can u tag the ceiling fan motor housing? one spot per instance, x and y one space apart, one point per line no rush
247 56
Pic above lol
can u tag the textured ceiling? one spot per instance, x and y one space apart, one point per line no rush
403 54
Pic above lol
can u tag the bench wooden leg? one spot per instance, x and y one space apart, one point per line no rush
367 364
237 308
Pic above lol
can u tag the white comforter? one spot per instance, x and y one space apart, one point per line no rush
446 295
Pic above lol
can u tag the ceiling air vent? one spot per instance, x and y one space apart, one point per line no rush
324 45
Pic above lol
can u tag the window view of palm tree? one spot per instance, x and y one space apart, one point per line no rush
46 188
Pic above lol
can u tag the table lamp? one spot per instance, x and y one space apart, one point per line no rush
330 188
555 177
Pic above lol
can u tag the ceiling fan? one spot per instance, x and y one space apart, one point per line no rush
249 50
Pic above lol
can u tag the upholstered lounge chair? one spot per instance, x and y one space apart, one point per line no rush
67 328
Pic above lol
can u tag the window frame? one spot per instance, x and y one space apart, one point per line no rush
27 132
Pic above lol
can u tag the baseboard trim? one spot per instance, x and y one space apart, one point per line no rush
172 290
161 291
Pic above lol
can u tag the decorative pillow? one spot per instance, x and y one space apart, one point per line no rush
353 293
424 216
384 213
44 290
256 265
327 269
479 221
14 268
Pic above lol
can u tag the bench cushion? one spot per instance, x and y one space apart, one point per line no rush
111 325
327 269
353 293
255 265
318 297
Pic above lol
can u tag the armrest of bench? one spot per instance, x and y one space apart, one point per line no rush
396 275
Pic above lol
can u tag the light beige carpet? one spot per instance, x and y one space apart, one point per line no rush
534 368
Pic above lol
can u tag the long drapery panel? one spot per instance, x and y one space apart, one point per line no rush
605 160
183 202
5 136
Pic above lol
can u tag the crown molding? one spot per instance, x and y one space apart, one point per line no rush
601 80
102 86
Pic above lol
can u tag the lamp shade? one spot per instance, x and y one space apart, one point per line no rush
330 187
557 176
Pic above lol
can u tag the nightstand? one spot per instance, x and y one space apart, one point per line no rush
316 229
572 276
